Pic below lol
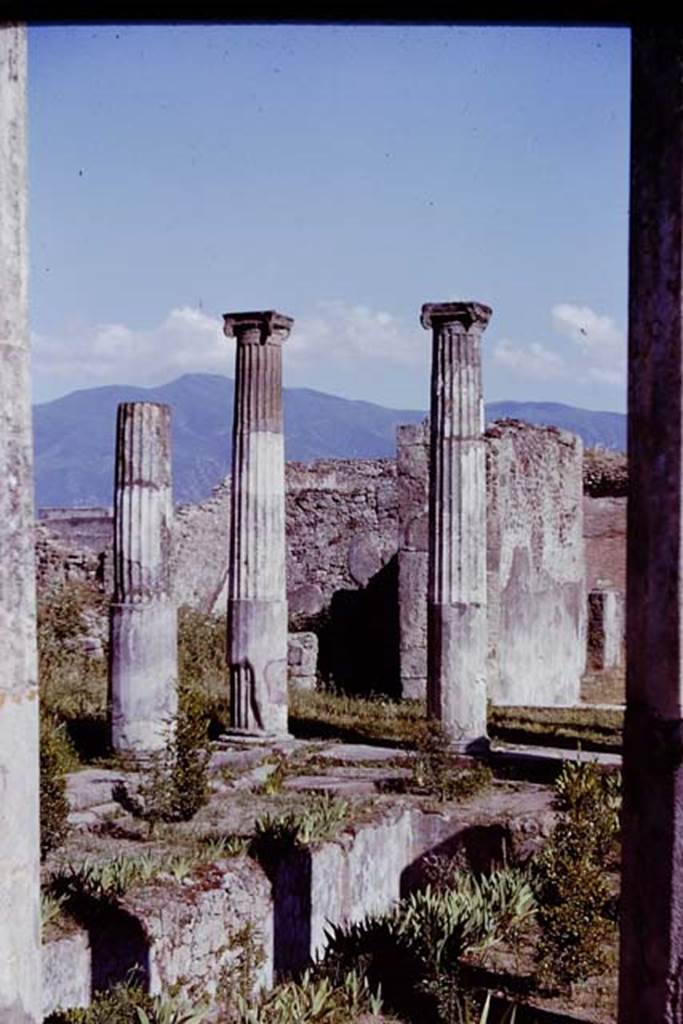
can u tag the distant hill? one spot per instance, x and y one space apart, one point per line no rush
596 429
74 435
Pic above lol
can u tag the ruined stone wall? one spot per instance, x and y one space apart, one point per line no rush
535 559
348 519
535 562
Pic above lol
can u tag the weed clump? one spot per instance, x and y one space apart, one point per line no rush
129 1004
319 818
176 781
576 908
57 757
202 663
437 772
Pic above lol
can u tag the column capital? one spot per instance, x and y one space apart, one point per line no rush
469 314
257 326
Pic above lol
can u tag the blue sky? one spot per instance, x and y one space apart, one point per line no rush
343 175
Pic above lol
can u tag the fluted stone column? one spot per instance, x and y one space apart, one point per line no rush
20 992
257 603
651 957
456 607
143 620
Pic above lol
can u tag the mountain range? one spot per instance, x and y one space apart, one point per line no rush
74 435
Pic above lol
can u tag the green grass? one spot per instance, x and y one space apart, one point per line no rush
328 715
588 727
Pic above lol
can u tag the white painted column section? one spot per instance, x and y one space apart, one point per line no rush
457 612
257 602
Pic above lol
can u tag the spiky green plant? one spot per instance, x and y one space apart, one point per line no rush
319 818
314 1000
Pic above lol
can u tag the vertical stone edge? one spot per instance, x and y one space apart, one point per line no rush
651 950
20 976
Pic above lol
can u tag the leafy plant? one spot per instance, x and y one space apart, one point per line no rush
56 758
128 1004
273 783
176 782
120 1005
414 950
105 881
570 882
213 848
238 977
69 678
318 819
202 664
50 907
171 1010
438 772
314 1000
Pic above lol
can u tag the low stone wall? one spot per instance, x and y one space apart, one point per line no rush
191 932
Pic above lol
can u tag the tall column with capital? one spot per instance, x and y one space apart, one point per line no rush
20 990
257 602
456 612
651 954
143 653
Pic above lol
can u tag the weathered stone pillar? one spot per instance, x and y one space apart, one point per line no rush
257 603
143 655
20 991
651 961
456 606
605 628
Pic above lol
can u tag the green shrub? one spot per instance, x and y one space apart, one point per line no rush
56 759
570 881
118 1006
439 773
202 662
175 783
128 1004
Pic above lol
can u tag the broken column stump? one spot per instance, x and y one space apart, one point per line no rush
143 655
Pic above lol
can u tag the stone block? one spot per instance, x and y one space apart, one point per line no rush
192 928
412 460
412 433
66 972
364 558
606 628
302 659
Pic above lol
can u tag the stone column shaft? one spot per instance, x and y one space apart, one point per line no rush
456 612
143 619
257 603
20 987
651 958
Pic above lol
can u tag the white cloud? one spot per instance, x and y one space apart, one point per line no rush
187 340
531 360
601 341
345 333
